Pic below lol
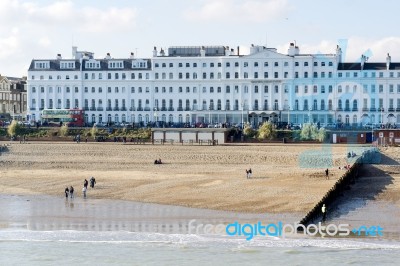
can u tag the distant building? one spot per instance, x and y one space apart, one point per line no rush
13 98
216 84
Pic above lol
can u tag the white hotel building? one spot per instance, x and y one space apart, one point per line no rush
215 84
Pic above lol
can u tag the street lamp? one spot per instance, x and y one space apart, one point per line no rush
155 115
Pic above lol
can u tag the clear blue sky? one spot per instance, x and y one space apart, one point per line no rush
41 29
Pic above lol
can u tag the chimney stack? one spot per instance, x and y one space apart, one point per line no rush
155 52
388 61
108 56
59 57
132 55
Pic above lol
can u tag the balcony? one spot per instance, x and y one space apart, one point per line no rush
86 108
163 108
355 109
365 109
140 108
187 108
32 108
41 108
179 108
380 109
93 108
347 109
227 108
123 108
171 109
372 109
109 108
339 109
116 108
391 109
100 109
147 109
132 109
398 109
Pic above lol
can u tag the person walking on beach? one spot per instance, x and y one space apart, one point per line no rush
71 191
66 192
323 210
92 182
247 174
85 183
327 173
250 173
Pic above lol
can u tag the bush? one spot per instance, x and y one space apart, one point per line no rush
248 131
94 131
311 132
266 131
64 131
14 128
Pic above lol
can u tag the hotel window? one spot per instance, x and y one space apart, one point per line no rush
86 76
187 89
285 75
211 89
187 64
116 90
67 77
365 88
347 74
322 89
171 89
330 75
109 75
187 75
180 65
256 75
265 89
322 63
204 90
123 76
227 64
68 90
246 64
204 75
330 89
315 89
265 75
100 90
194 64
305 74
180 75
305 89
315 64
355 89
140 76
355 74
109 89
246 89
255 89
265 64
42 90
33 89
373 74
305 63
227 75
296 89
227 89
76 90
391 88
296 64
286 64
255 64
276 89
236 64
322 74
315 75
380 88
211 75
381 74
211 64
236 75
296 75
219 65
373 88
339 89
276 64
276 75
180 90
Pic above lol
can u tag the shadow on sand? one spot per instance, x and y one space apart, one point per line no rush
368 185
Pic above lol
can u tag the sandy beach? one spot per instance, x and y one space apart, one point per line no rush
286 178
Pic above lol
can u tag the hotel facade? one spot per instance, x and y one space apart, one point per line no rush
216 84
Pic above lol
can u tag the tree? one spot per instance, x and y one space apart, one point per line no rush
248 131
311 132
266 131
14 128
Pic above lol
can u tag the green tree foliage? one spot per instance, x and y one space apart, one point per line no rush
266 131
14 128
248 131
311 132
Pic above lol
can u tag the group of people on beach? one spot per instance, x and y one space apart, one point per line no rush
70 191
158 161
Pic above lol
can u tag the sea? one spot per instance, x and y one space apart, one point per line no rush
42 230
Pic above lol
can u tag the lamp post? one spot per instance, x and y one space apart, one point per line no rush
155 116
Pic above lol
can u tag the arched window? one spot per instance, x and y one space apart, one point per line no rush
116 118
123 118
322 105
340 104
109 118
180 118
305 105
347 121
315 105
93 118
354 120
100 118
171 118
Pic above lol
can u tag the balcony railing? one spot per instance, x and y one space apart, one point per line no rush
163 108
179 109
355 109
347 109
187 108
100 108
32 108
86 108
339 109
398 109
391 109
140 108
109 108
372 109
365 109
123 108
132 109
147 109
93 108
381 109
171 109
116 108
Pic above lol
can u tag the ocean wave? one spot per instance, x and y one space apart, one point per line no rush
192 240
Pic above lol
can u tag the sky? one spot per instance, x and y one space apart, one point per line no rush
44 28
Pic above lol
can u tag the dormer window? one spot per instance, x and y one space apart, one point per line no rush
115 64
42 64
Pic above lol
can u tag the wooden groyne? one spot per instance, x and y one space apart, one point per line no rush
342 184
